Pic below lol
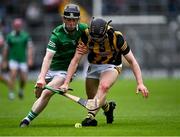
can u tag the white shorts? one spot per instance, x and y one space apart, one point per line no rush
51 74
95 70
22 66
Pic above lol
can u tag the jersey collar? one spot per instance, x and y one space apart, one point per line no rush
14 32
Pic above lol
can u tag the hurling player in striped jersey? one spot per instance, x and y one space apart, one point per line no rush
105 48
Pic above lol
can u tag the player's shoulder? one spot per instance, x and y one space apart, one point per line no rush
58 29
119 36
25 33
10 35
82 26
118 33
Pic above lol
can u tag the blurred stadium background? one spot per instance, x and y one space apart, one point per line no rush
152 28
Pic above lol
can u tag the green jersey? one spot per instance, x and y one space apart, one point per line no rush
64 46
17 45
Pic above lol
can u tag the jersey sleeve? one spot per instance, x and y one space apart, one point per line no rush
52 44
82 47
122 44
84 36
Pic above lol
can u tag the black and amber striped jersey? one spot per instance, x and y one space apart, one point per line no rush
107 52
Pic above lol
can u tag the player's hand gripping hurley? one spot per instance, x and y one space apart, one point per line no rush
89 104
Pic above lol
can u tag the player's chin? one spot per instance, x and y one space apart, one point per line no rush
70 29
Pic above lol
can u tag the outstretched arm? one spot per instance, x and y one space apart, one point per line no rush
137 73
44 68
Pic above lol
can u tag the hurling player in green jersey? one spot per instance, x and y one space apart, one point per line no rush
19 53
105 48
60 50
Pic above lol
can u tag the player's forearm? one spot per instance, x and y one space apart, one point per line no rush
30 49
4 54
72 67
71 70
135 67
30 53
137 73
44 68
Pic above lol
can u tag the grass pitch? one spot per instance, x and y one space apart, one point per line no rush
159 115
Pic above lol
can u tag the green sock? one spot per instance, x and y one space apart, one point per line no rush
31 115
